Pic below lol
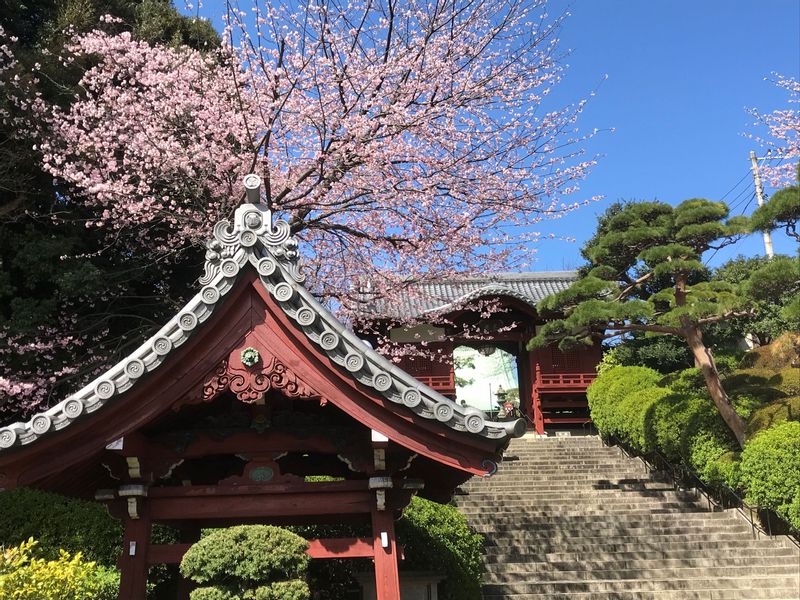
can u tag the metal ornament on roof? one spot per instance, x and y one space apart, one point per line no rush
268 247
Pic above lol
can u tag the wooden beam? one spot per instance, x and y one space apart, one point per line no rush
259 501
341 548
243 442
172 554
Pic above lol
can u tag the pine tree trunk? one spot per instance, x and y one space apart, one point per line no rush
709 369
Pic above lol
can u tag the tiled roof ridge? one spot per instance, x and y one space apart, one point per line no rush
253 239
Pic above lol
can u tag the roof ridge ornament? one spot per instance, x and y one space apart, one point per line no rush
226 251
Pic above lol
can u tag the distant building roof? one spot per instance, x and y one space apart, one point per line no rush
436 297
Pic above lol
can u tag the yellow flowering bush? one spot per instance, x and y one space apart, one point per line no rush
24 576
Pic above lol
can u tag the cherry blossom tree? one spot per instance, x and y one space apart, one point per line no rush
401 140
782 135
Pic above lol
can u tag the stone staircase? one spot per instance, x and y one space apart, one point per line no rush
566 517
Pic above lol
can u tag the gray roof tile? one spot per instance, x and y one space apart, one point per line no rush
420 299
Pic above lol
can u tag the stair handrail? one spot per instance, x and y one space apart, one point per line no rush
720 496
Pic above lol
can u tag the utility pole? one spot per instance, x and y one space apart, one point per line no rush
760 195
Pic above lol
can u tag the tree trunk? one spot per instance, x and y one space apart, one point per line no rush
709 369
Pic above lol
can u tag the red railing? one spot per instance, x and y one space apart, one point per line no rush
440 383
563 380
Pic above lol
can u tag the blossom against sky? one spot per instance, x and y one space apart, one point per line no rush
674 80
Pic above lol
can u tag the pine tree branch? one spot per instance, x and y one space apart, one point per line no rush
651 328
731 314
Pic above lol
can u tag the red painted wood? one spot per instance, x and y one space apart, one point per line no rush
364 404
565 381
566 420
341 548
133 569
538 421
172 554
245 505
387 579
248 442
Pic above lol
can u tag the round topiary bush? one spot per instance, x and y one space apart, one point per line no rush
248 562
770 471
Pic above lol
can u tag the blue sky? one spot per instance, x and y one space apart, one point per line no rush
681 74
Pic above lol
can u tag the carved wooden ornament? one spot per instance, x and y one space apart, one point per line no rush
251 383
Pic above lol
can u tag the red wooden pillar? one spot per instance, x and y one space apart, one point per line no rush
387 579
133 561
536 400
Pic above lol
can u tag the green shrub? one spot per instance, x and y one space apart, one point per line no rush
213 593
632 412
26 576
688 429
727 362
283 590
778 355
724 469
688 381
770 470
610 388
437 537
245 562
778 411
58 522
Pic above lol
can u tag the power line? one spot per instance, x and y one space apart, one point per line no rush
741 197
738 183
749 202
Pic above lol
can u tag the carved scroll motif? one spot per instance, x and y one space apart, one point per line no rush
250 384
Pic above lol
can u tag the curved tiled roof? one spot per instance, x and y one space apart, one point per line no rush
441 296
252 239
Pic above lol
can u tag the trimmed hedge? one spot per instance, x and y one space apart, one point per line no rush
610 388
685 426
770 471
632 417
248 562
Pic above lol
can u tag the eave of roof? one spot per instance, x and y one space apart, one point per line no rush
252 239
432 298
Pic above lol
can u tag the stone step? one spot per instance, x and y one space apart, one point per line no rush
784 583
609 544
534 487
532 566
584 496
579 550
696 519
716 594
570 518
606 531
588 575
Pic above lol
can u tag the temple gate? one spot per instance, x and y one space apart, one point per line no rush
226 413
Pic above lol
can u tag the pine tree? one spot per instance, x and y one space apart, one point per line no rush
645 274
